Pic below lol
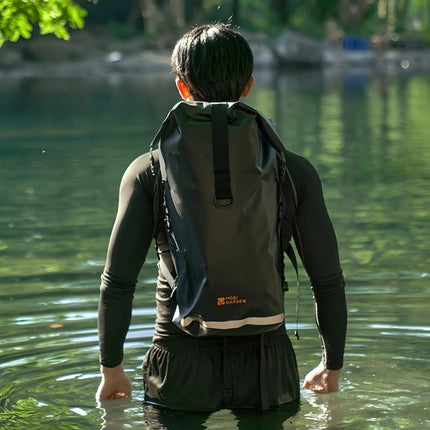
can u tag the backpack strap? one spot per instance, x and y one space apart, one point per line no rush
223 197
157 194
158 206
289 250
154 170
272 136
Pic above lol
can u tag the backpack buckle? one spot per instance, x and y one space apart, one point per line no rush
223 203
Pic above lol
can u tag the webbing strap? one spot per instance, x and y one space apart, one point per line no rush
221 166
165 271
263 376
292 256
290 250
227 376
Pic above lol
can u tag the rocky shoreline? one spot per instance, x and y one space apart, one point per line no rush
86 55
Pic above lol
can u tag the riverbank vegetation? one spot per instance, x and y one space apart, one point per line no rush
402 23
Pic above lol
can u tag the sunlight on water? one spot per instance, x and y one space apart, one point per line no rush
64 144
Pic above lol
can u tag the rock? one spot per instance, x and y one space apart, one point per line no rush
261 50
388 61
113 57
10 57
297 49
343 57
50 49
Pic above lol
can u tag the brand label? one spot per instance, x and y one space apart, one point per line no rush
230 300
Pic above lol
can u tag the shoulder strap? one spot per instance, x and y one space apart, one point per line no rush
289 250
156 139
273 138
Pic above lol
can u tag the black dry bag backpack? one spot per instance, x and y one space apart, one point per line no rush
220 167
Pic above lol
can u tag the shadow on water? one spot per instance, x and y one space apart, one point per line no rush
327 412
156 418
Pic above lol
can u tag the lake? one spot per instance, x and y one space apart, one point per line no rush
64 145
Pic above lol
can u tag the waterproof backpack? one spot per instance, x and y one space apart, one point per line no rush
220 166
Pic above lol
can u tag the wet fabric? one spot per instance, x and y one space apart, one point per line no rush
223 372
167 419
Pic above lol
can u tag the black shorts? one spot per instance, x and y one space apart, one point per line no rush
228 372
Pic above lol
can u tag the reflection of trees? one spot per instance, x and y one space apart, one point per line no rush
367 137
65 144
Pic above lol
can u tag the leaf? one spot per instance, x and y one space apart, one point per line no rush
52 16
24 26
61 32
76 15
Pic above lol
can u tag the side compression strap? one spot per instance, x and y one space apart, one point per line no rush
290 250
221 165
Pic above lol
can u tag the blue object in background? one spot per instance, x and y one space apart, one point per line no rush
354 43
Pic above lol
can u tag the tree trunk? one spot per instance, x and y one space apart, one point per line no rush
149 14
177 12
401 8
282 10
236 13
191 10
351 12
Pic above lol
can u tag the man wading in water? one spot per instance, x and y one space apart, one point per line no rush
213 63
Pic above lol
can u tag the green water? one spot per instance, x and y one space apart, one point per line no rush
64 144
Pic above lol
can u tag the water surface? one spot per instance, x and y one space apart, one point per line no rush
64 144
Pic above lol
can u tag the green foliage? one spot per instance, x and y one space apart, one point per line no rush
425 35
256 16
165 20
307 20
18 17
121 31
322 10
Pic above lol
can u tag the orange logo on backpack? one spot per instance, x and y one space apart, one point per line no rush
230 300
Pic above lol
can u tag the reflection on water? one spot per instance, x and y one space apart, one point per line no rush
64 144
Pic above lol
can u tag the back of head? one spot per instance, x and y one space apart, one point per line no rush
214 61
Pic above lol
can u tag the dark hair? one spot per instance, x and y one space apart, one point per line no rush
214 61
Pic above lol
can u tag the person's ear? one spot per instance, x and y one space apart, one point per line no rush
248 86
183 90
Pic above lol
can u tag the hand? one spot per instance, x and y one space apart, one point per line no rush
115 383
322 380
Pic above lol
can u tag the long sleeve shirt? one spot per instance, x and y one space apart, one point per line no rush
308 223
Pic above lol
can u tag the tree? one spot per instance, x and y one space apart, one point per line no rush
18 18
352 12
282 9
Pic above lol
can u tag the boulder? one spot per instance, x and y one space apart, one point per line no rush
262 51
297 49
